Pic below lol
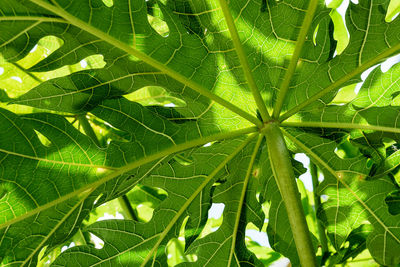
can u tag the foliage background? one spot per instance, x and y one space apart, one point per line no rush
155 103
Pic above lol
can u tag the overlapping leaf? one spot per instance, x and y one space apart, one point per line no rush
59 179
52 173
123 73
352 198
135 241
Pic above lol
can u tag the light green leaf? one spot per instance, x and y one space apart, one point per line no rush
177 92
352 199
137 241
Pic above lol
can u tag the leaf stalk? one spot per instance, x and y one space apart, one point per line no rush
286 181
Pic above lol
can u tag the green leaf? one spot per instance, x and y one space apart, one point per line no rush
176 97
48 180
136 241
352 199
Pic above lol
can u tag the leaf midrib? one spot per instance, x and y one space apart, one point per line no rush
131 166
342 125
147 59
193 196
333 172
360 69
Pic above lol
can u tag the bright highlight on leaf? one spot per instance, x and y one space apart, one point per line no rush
126 124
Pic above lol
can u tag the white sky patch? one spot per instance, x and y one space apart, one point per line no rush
18 79
216 210
395 16
108 124
280 263
259 237
98 243
1 70
83 63
214 229
64 248
108 216
206 145
389 63
320 178
33 49
170 105
342 9
306 177
364 76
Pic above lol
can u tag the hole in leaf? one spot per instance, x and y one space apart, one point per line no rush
346 150
321 177
16 78
145 199
303 162
345 95
107 216
341 33
104 211
215 219
64 248
315 35
109 132
96 241
389 63
33 49
88 63
257 242
254 235
393 202
108 3
176 248
43 139
158 25
41 50
364 76
183 160
324 198
155 95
